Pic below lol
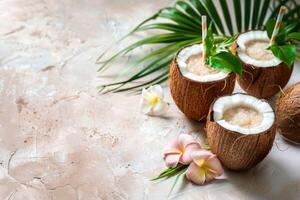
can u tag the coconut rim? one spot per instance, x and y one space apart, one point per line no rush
192 80
211 118
256 66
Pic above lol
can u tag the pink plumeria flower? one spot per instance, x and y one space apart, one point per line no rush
153 102
179 150
204 168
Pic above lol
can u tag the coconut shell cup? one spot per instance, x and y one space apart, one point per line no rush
238 151
194 98
264 82
262 79
288 114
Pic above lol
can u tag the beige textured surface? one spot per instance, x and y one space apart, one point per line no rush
60 140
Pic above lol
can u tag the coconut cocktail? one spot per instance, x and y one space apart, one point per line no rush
240 130
195 85
263 73
267 60
196 80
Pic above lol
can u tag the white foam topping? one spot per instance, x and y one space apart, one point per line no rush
224 103
249 36
182 59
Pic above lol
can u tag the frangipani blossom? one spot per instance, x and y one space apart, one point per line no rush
179 150
204 168
153 102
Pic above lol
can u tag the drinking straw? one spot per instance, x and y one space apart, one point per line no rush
204 33
278 24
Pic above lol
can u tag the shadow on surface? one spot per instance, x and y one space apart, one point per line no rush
268 180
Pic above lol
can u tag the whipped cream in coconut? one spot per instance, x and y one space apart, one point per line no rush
252 49
258 49
243 114
191 66
196 66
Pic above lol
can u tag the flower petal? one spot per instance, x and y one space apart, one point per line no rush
160 108
145 103
146 108
171 148
172 160
152 102
145 93
214 163
186 158
200 155
222 177
195 174
157 90
186 139
209 176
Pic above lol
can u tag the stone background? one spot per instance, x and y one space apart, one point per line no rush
59 139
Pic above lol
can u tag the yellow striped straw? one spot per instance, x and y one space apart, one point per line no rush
204 33
278 24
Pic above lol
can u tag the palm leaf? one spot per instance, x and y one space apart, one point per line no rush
255 12
187 8
179 17
157 39
214 15
238 14
175 28
247 9
226 15
263 13
179 26
157 80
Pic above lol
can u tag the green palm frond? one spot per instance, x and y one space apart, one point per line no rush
180 25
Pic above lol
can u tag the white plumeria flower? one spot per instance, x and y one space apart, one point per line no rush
153 102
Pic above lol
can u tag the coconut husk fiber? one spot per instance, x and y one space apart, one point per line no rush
288 114
264 82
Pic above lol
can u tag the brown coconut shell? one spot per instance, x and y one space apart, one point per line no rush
261 82
288 114
194 98
264 82
237 151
